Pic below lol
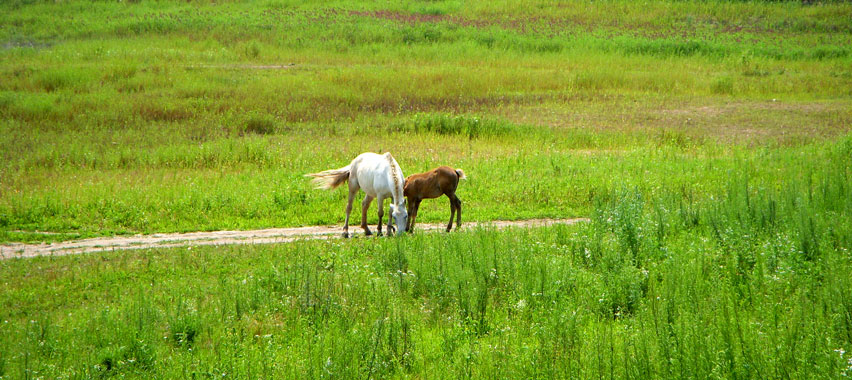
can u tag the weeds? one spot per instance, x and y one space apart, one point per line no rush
471 127
260 124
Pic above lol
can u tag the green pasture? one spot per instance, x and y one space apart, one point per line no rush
158 116
753 285
708 142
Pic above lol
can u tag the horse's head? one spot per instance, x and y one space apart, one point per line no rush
400 217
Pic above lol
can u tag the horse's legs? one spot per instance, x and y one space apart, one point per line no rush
391 228
455 210
457 203
409 208
380 203
365 204
412 216
352 191
452 213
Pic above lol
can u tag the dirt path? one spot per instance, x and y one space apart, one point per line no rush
267 236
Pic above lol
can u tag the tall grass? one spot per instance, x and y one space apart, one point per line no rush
653 287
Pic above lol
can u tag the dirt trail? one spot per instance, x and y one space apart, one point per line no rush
267 236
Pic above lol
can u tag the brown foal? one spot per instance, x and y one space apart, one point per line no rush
433 184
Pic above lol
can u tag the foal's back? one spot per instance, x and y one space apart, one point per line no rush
432 184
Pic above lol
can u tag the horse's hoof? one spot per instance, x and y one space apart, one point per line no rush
379 234
368 233
346 235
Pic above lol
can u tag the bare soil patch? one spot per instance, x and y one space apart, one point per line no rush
759 121
266 236
746 122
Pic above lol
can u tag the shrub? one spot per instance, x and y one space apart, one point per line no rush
261 124
461 125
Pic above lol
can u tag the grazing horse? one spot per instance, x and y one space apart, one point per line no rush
380 177
433 184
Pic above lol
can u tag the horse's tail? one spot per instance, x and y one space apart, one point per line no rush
460 173
330 179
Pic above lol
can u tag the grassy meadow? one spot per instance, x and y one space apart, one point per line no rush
709 143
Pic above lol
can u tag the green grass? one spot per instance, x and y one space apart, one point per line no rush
708 142
751 285
155 117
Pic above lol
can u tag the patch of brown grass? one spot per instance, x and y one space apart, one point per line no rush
750 122
161 112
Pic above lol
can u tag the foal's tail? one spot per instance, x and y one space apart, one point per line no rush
330 179
460 173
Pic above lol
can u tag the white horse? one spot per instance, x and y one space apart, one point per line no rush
380 177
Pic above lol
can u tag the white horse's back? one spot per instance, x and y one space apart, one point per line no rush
377 174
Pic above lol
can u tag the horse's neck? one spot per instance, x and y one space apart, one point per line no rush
397 191
397 181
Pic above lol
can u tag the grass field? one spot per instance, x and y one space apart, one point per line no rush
709 142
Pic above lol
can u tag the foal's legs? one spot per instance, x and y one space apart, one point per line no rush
353 190
412 214
409 208
452 213
457 201
455 205
365 204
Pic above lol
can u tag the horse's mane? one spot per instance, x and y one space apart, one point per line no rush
396 175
